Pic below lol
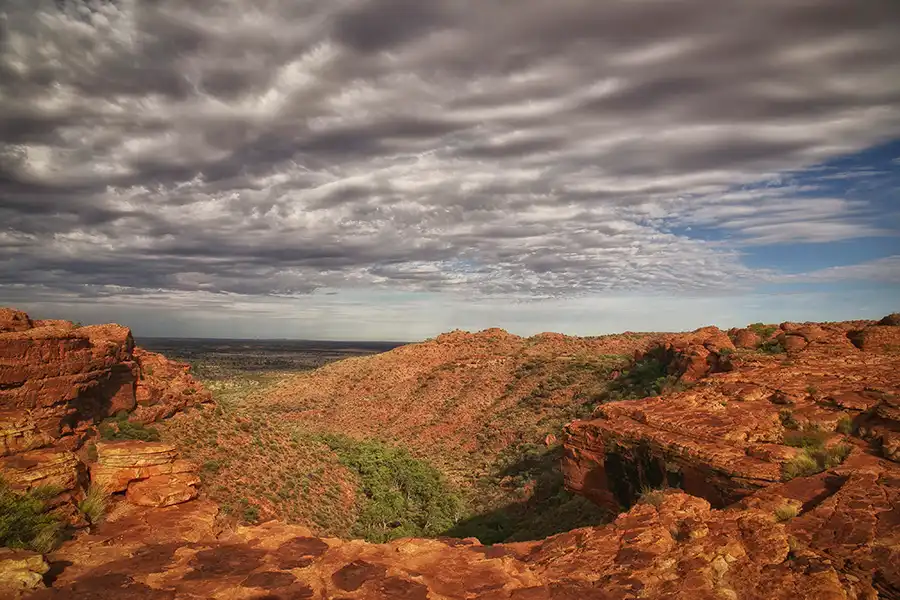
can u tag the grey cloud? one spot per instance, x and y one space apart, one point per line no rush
489 147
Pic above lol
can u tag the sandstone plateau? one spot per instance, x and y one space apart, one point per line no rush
700 477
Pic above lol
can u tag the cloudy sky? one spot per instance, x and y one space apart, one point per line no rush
390 169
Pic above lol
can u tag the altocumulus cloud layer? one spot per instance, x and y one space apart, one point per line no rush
178 150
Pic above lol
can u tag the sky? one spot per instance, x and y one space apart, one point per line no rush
392 169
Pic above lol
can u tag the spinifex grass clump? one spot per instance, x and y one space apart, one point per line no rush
95 503
814 456
24 522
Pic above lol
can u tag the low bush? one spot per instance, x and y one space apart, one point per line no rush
762 330
772 347
400 496
815 459
845 425
24 522
787 419
95 503
786 512
120 428
645 377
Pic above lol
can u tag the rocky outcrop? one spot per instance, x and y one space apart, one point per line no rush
164 388
724 438
674 546
149 471
57 380
21 572
54 467
693 356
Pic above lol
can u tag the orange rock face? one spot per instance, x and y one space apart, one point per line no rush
119 464
676 547
724 438
57 380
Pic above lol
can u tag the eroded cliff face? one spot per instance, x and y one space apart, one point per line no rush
725 437
58 380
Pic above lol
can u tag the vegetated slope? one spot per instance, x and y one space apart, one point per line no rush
485 409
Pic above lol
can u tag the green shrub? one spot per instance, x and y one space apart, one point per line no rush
251 514
845 425
762 330
645 377
95 503
211 466
400 496
802 465
120 428
772 347
24 522
806 439
786 512
787 419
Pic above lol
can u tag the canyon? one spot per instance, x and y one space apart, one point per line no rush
753 463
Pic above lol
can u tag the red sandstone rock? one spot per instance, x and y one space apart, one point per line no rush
165 387
163 490
13 320
745 338
120 463
723 439
676 548
21 572
877 338
57 380
49 466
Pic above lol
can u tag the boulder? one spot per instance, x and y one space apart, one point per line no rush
49 466
163 490
14 320
892 320
745 338
21 572
120 463
877 338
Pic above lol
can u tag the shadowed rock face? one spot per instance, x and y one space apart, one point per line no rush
57 380
724 438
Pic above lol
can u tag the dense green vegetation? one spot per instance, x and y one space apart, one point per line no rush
120 428
645 377
24 522
400 496
762 330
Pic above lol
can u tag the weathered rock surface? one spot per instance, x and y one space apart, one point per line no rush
57 380
164 490
21 571
675 548
724 438
55 467
119 464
